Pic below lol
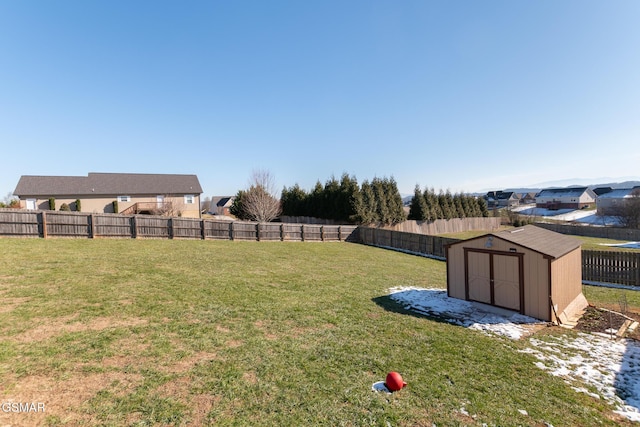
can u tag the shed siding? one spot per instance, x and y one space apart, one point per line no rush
535 272
568 272
455 272
536 285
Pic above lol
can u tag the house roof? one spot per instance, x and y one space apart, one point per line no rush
564 192
107 184
540 240
619 193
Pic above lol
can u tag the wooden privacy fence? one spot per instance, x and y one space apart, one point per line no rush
615 233
419 244
597 266
611 267
84 225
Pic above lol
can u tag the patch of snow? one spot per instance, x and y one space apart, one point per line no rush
628 245
435 302
380 386
609 368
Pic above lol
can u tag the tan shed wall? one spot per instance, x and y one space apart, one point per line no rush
566 275
455 272
535 271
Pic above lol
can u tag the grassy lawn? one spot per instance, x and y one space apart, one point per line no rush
169 332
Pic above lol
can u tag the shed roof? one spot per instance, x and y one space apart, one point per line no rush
107 184
540 240
537 239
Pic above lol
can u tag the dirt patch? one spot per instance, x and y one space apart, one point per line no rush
61 397
62 325
9 304
186 364
605 321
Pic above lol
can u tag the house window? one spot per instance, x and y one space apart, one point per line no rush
189 199
124 198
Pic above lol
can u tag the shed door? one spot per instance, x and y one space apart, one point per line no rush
495 278
506 281
479 277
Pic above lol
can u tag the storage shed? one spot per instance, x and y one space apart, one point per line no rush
530 270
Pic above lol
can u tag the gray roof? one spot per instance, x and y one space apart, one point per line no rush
108 184
540 240
619 193
564 192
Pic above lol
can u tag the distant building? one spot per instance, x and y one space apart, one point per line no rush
608 202
566 198
501 199
221 205
97 192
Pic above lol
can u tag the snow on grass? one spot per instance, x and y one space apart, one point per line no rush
435 302
608 369
627 245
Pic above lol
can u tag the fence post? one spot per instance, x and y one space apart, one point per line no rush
170 225
339 233
43 216
282 232
637 269
92 223
322 233
257 231
302 232
202 229
134 227
230 230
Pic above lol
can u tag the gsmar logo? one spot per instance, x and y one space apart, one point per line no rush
22 407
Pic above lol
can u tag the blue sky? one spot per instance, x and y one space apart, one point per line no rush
460 95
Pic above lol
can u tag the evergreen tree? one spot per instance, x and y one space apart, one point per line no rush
418 207
365 206
346 198
393 198
294 201
459 209
482 203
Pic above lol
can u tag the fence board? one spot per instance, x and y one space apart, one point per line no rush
19 223
219 230
186 228
611 267
109 225
269 232
244 231
153 227
292 232
311 233
68 224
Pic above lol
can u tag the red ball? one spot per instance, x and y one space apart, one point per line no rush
394 381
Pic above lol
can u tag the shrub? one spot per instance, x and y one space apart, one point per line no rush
52 204
65 207
78 206
115 206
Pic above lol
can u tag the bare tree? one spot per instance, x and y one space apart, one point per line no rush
168 208
258 202
628 213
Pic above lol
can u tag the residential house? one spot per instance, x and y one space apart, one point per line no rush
501 199
566 198
221 205
608 202
527 198
97 192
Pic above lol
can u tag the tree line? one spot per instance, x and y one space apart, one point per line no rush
373 202
428 206
344 200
